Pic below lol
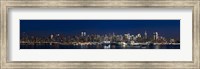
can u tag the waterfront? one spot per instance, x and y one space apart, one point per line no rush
100 34
47 46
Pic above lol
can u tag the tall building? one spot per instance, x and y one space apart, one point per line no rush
83 33
51 36
145 35
139 35
155 36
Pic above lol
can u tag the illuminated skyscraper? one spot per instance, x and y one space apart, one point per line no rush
83 33
155 36
145 35
51 36
139 35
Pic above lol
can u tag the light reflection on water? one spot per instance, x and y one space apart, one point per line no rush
97 47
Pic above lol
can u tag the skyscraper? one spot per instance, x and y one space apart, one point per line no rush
155 36
145 35
51 36
139 35
83 33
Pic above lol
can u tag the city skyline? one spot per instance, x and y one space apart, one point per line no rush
99 34
167 28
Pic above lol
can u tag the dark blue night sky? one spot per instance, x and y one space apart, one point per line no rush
167 28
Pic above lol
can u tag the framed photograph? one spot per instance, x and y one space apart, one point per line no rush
42 34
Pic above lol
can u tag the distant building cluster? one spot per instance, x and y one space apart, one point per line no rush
84 37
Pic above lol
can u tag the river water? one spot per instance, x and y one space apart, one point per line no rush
97 47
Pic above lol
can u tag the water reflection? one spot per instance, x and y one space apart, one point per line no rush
46 46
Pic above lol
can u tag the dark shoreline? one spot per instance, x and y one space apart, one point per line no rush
112 46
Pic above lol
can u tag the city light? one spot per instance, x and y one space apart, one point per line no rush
84 39
99 34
